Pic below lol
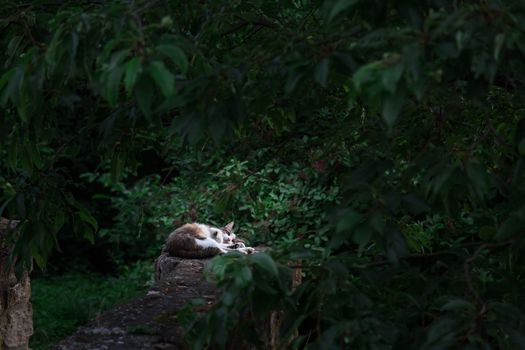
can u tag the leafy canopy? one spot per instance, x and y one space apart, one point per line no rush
425 98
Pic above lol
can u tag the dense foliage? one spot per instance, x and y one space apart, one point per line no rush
377 145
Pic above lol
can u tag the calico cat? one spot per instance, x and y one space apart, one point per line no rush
198 241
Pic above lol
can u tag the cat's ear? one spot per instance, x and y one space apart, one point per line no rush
228 228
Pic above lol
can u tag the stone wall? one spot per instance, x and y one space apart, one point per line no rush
16 322
148 322
151 321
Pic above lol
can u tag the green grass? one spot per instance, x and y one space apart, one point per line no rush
62 303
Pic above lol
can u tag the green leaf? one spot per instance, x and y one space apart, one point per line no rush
58 221
6 77
176 55
34 152
395 245
442 178
163 77
377 222
12 154
392 105
228 297
321 72
73 46
21 205
348 220
521 147
218 127
144 95
346 223
4 205
133 69
457 305
217 267
84 228
52 50
15 77
117 167
291 82
265 262
512 226
12 48
498 45
223 203
441 334
117 58
87 217
25 158
362 235
113 85
39 259
390 77
339 6
413 61
519 171
244 277
479 178
366 74
88 234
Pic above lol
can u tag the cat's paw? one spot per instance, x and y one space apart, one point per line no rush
249 250
239 243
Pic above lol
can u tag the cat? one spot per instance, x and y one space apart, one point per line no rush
199 241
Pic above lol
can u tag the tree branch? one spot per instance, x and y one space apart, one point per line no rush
243 23
440 253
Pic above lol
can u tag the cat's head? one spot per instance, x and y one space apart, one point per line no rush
221 235
228 235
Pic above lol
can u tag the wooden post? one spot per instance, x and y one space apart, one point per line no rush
276 317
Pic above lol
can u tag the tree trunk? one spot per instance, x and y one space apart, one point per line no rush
16 323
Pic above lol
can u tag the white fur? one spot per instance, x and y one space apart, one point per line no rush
228 238
211 243
209 232
221 240
224 248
